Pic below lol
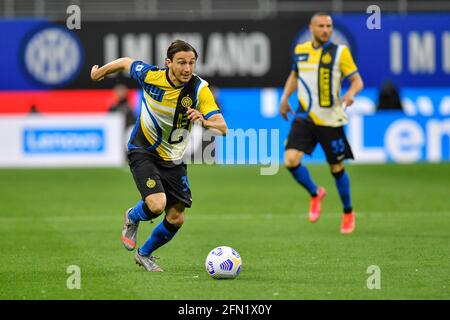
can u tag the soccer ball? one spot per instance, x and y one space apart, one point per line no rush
223 263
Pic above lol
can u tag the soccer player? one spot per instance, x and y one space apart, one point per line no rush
173 98
319 67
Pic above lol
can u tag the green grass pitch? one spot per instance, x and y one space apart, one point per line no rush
53 218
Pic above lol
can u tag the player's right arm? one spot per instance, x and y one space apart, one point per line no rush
289 87
121 64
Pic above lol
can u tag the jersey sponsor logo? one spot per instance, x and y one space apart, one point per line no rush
325 87
63 140
52 56
325 76
150 183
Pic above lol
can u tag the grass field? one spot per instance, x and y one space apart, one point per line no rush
51 219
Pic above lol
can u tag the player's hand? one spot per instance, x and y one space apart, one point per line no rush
94 75
285 108
348 99
195 116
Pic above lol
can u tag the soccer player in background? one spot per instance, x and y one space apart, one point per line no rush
173 98
319 67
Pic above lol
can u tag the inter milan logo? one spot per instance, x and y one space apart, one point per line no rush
53 56
151 183
326 59
186 102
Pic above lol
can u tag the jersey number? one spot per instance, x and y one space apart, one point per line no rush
180 127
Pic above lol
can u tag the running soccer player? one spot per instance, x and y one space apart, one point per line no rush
173 98
318 70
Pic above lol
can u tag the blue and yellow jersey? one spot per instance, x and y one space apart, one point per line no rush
320 73
162 126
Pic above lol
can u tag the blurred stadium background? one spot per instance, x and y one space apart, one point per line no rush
53 116
245 50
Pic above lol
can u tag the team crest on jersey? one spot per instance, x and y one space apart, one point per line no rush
326 59
186 102
150 183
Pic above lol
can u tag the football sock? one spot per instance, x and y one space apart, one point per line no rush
162 234
343 186
141 212
301 174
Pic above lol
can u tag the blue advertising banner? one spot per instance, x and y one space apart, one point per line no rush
37 54
257 133
409 50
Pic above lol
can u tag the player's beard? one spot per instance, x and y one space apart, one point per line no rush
183 78
180 78
320 40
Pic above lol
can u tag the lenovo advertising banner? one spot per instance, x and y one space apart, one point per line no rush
65 140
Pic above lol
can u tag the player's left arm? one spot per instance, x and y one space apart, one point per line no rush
356 85
215 123
208 113
349 69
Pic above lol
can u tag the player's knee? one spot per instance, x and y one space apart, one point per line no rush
175 215
291 161
337 167
157 207
156 204
177 219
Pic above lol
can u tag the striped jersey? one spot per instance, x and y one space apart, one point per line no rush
320 74
162 127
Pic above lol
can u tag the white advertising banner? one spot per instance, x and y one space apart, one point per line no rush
63 140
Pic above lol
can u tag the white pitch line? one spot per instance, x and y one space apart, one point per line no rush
219 216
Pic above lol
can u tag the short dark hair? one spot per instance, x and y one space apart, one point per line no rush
319 14
178 46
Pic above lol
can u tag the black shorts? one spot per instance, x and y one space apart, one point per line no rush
304 136
151 177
